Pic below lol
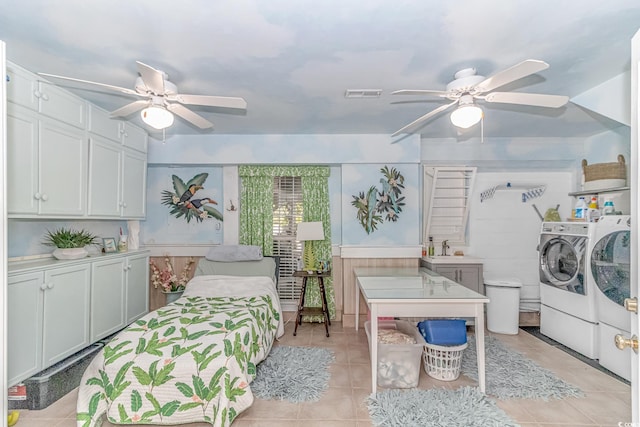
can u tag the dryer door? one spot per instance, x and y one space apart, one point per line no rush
610 261
562 263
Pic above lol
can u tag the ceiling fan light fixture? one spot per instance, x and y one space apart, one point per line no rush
466 116
157 117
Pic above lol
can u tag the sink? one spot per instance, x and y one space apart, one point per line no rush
452 259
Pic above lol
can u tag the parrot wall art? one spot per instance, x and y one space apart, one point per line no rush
185 201
378 205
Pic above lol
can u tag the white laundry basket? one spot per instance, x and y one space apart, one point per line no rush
503 309
442 362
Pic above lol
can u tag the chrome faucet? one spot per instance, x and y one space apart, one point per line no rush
445 246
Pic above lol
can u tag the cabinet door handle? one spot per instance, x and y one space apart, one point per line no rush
37 93
45 97
124 204
37 196
44 197
43 287
50 285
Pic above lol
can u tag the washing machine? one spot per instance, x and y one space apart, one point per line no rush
567 302
608 272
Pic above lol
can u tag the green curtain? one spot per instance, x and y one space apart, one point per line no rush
256 216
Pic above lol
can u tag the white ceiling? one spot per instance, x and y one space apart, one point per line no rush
292 60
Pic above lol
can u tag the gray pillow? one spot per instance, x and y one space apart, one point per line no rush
232 253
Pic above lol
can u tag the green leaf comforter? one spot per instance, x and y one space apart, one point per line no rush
190 361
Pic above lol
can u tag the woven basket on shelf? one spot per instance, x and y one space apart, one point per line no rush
613 170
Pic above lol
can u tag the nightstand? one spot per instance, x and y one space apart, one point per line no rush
312 311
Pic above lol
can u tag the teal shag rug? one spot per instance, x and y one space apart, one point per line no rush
510 375
296 374
438 407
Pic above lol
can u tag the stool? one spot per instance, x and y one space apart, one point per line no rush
312 311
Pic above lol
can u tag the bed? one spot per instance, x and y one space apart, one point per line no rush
192 360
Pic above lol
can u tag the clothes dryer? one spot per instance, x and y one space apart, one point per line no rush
567 309
609 276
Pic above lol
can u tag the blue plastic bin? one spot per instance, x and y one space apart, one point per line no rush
444 331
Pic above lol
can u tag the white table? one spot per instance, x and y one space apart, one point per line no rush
417 292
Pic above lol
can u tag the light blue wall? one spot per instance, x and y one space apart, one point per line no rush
361 156
24 236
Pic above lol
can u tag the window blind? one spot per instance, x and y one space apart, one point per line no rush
287 213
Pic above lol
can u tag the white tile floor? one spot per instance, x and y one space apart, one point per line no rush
607 401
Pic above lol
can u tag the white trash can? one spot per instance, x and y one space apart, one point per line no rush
503 309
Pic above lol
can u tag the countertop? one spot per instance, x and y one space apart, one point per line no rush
452 259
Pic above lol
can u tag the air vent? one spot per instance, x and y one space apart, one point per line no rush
363 93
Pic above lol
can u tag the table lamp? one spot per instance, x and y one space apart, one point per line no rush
307 232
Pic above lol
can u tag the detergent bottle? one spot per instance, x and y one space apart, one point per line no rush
581 209
593 213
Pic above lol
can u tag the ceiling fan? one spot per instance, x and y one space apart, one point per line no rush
468 87
160 99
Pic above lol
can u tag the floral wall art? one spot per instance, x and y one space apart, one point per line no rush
380 203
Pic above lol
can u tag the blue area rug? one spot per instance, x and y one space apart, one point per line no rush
439 407
295 374
510 375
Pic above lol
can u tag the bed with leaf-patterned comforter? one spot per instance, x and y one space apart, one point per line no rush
190 361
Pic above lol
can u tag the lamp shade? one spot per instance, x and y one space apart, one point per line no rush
466 116
157 117
309 231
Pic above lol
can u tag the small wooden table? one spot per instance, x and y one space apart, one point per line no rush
312 311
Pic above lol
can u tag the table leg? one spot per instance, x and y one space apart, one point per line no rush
480 345
300 306
325 306
357 304
373 350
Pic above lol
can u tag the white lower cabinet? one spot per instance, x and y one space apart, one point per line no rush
57 308
24 331
66 312
107 297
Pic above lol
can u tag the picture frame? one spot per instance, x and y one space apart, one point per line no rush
109 244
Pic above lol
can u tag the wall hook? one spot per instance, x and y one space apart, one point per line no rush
232 208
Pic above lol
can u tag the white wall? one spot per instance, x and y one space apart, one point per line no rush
504 231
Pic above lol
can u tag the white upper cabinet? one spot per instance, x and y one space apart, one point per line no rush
46 168
68 158
100 123
26 89
117 180
134 185
105 178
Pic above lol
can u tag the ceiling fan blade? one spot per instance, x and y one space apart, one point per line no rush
190 116
210 101
535 99
152 78
129 108
422 119
102 85
420 92
518 71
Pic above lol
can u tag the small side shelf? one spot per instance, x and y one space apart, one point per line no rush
601 191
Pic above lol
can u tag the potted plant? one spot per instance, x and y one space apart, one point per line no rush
69 243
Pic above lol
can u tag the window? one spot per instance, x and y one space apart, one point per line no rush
287 213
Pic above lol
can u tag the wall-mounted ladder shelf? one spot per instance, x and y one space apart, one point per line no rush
528 191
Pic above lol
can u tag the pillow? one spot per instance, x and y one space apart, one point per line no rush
232 253
264 267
